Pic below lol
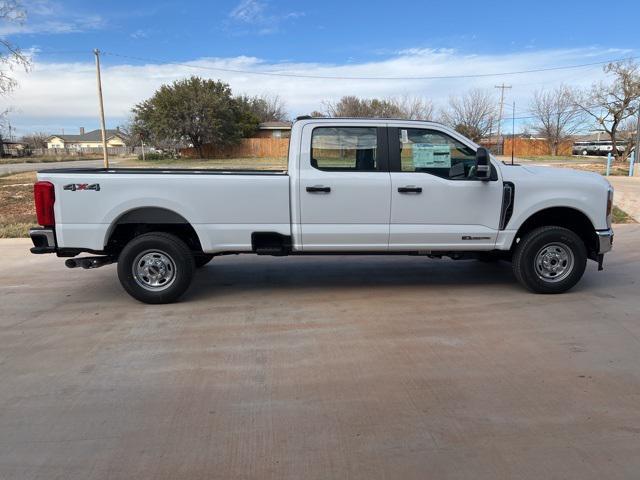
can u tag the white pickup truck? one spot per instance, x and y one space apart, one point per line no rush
352 186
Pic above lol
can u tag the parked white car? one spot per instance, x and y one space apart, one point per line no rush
352 186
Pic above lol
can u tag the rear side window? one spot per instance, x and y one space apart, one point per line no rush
346 149
436 153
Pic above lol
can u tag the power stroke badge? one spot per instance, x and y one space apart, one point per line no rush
74 187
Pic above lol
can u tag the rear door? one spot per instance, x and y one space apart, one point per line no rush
344 188
437 203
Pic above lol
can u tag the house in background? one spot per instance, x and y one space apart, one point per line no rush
92 139
273 130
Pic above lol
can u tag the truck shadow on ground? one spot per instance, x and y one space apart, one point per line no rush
251 274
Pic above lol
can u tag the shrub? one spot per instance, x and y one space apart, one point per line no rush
152 157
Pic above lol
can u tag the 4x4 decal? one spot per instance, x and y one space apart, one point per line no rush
82 186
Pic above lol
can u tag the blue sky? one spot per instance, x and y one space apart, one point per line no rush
354 38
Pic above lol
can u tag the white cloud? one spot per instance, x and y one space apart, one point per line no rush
249 11
64 93
139 34
256 13
49 17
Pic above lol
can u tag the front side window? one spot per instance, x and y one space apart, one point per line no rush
436 153
346 149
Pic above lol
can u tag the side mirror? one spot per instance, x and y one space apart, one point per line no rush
483 164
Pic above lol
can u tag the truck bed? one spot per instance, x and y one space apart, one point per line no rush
224 207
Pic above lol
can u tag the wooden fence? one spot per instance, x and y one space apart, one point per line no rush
524 147
247 148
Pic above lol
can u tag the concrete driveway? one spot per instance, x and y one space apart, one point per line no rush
321 367
627 194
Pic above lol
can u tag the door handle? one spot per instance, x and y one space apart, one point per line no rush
318 189
410 189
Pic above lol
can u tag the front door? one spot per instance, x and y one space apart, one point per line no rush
437 203
344 189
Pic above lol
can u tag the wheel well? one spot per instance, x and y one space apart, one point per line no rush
150 219
566 217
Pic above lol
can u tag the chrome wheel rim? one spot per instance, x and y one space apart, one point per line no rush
154 270
554 262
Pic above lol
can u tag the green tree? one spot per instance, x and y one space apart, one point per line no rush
195 110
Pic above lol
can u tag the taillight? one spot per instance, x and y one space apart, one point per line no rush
45 197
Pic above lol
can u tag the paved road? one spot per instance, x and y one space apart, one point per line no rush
320 367
30 167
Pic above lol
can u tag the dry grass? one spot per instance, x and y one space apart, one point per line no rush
17 212
620 216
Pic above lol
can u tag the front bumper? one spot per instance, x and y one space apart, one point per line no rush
44 240
605 241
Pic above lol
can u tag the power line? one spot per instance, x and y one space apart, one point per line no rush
331 77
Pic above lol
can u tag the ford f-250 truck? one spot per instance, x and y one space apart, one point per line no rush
352 186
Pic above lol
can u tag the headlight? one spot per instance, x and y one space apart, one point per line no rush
609 207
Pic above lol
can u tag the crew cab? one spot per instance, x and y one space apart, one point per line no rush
352 186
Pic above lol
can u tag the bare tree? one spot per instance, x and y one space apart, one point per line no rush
352 106
610 104
36 140
555 115
472 114
405 107
414 108
11 56
267 108
131 135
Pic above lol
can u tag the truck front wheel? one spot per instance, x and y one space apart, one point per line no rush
156 268
549 260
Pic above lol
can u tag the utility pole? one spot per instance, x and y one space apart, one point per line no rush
105 153
502 88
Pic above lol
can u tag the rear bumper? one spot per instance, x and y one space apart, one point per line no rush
44 240
605 239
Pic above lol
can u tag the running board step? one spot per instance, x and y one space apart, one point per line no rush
276 251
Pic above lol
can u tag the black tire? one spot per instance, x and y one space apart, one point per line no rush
549 260
201 259
172 268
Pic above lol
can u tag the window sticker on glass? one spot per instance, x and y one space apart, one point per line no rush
426 155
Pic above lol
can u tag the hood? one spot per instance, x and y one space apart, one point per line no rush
552 174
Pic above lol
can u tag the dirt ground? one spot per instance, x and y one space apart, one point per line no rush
17 211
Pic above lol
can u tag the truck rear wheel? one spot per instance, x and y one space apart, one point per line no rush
156 268
550 260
